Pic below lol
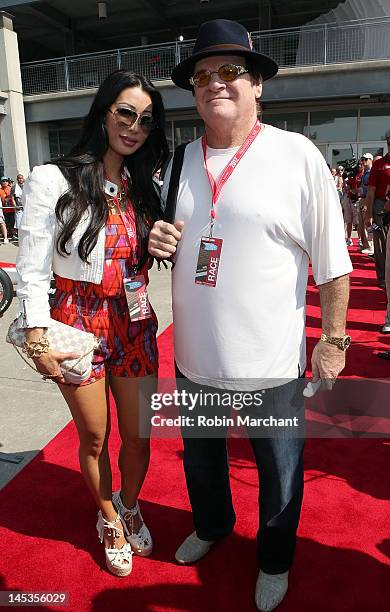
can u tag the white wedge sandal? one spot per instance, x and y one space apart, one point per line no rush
141 542
118 560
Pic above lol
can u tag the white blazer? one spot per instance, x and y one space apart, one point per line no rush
38 257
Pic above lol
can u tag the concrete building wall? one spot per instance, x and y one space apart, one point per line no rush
12 125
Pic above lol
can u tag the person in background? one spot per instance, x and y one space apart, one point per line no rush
8 206
375 201
353 187
16 193
366 244
386 223
338 179
348 210
3 227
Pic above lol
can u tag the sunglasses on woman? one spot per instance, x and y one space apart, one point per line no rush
227 73
126 117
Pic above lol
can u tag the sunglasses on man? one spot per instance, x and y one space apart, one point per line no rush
125 118
227 73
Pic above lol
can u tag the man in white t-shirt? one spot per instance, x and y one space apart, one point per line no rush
242 238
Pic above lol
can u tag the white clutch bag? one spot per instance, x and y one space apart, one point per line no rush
65 339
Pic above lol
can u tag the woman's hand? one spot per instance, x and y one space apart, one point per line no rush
48 364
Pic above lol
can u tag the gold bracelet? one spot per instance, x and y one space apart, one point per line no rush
36 348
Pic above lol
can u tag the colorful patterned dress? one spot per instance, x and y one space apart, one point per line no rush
127 349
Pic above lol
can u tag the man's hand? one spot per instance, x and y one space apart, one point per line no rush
163 238
327 362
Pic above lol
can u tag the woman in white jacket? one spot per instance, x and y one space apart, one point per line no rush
87 218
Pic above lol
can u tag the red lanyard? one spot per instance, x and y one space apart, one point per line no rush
216 188
130 232
132 240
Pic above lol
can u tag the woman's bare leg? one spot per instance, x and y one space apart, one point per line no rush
89 406
132 397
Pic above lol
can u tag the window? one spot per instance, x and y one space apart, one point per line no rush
169 134
294 122
374 123
334 126
187 131
277 121
61 140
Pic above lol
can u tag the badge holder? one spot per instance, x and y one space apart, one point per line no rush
137 298
208 261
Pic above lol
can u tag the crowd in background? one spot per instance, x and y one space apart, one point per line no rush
364 193
11 207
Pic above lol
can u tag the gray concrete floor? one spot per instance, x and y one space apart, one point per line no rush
32 411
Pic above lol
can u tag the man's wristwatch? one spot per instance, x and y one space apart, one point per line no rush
341 343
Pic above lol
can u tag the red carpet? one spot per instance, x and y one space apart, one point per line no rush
49 541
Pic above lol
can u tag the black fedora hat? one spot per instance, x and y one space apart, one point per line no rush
222 37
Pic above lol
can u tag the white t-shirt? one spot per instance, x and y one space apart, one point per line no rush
17 193
278 209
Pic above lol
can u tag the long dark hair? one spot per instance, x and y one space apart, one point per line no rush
83 168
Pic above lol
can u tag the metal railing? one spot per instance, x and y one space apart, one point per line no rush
321 44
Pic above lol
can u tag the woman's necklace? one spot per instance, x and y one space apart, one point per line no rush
120 198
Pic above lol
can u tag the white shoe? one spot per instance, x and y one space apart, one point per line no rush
5 241
367 252
386 328
192 549
270 590
349 242
141 542
118 560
